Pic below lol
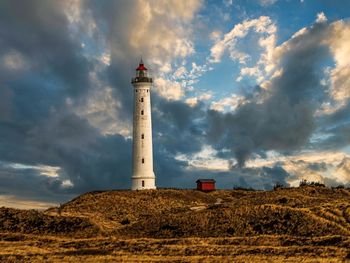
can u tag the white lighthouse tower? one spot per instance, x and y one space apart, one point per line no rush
142 168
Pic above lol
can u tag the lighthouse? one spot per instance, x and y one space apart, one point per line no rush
142 152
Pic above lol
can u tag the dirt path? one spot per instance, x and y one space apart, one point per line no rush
205 206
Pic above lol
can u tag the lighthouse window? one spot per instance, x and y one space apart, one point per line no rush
142 136
142 112
141 99
143 183
143 160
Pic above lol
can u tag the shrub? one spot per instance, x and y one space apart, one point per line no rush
307 183
125 221
278 185
243 188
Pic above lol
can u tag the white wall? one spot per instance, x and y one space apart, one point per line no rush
142 147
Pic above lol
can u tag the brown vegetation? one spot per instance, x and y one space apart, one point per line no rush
288 223
34 222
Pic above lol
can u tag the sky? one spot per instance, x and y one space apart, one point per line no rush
248 92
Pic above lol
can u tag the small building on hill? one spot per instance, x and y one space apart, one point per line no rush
205 184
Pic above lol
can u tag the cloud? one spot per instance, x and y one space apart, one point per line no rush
336 127
40 40
102 110
142 28
86 159
170 90
260 178
228 2
229 104
340 75
262 31
333 115
193 101
205 159
288 106
15 202
343 171
328 167
6 102
267 2
66 97
215 35
176 124
321 18
159 47
14 61
28 185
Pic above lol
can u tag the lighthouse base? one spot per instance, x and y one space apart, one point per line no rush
143 183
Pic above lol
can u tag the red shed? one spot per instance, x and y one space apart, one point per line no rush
205 184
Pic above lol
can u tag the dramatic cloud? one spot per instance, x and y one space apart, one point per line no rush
67 106
170 90
282 119
229 104
251 43
340 75
328 167
66 98
142 28
263 25
343 171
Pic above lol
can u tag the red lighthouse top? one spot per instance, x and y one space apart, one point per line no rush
141 74
141 66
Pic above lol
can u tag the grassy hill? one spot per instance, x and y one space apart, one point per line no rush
307 220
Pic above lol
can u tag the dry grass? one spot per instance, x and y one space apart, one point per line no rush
309 224
35 222
244 249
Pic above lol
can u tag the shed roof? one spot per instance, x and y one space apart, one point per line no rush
205 181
